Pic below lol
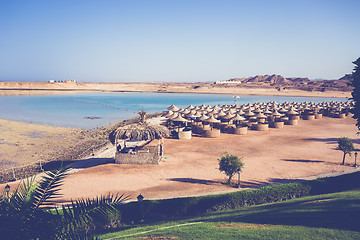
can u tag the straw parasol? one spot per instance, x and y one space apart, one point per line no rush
238 118
257 110
221 113
186 111
216 108
276 114
174 115
260 115
190 107
212 120
203 118
139 131
249 113
228 116
267 111
292 112
179 118
191 113
173 108
168 114
241 112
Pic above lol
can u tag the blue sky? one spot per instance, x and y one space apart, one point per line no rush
176 40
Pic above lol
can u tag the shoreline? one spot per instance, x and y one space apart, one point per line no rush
44 88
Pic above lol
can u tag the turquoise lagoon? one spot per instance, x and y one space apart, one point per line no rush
91 110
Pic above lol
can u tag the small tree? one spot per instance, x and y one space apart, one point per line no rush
345 144
230 164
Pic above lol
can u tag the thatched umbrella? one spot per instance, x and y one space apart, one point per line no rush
190 107
179 118
203 118
276 115
228 117
186 111
249 113
191 113
221 113
168 114
173 108
139 131
292 112
237 119
241 112
257 110
267 111
212 120
216 108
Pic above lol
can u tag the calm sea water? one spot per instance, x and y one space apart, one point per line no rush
90 110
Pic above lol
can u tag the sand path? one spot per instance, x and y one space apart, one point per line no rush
190 166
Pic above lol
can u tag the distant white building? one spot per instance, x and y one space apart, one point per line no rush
51 81
228 82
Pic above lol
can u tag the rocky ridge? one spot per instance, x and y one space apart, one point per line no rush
294 82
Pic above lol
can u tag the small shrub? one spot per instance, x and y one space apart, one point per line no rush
230 164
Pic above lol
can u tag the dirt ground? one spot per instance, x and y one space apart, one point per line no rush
190 167
22 143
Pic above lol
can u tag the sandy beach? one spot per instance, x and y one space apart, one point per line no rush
43 88
190 167
26 144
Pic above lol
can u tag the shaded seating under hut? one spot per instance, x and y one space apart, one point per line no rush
183 131
275 120
308 113
340 113
196 124
212 132
241 125
250 116
261 124
283 112
227 120
293 117
142 134
318 113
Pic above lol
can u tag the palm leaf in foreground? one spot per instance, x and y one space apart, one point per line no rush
49 187
21 198
82 215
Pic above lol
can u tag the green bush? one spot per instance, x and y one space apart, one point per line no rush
183 207
192 206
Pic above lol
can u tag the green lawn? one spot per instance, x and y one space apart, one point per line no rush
327 216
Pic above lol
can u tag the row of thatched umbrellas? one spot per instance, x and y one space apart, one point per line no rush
215 114
209 114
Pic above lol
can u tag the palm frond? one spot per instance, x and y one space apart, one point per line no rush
48 187
21 197
85 212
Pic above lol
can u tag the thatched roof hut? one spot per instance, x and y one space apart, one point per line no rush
139 131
